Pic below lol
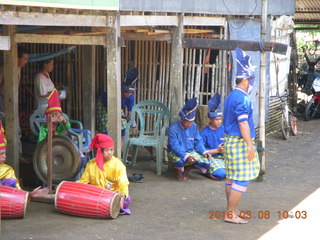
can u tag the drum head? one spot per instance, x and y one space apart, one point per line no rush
66 160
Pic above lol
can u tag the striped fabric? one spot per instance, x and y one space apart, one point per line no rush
202 163
102 119
216 163
237 165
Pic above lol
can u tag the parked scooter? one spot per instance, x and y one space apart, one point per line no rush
313 107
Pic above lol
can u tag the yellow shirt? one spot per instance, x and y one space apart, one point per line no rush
7 172
114 177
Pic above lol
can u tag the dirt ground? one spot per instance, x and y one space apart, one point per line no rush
164 208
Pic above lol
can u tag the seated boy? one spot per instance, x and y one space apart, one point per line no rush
107 171
213 136
60 125
185 147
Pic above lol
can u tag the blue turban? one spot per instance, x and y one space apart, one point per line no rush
131 79
189 110
244 66
214 106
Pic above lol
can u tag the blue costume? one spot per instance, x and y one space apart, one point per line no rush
212 138
102 113
238 108
184 142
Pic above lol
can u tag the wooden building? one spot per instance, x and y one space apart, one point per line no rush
181 49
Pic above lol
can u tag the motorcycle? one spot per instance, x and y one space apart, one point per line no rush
313 107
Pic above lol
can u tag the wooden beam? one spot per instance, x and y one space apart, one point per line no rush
132 20
60 39
114 82
142 20
11 89
232 44
176 90
4 43
51 19
142 36
203 21
89 80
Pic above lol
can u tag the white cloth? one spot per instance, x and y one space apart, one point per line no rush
42 85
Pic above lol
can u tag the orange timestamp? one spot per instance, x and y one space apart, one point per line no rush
261 214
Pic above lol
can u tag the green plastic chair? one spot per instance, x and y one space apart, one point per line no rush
151 111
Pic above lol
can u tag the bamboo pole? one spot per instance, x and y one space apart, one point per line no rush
264 12
161 69
49 154
168 74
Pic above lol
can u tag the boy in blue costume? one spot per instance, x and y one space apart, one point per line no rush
127 101
213 136
185 147
242 162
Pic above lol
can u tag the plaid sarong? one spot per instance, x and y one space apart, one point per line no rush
237 165
102 118
216 163
202 162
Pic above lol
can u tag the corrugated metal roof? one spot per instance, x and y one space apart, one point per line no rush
307 11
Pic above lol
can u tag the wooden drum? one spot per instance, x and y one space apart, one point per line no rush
86 200
13 202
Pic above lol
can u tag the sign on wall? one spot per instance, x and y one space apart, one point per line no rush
75 4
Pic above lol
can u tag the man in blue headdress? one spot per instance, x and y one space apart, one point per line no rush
127 102
242 163
213 136
185 147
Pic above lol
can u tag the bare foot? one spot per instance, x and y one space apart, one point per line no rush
180 176
232 217
187 170
242 214
208 175
236 220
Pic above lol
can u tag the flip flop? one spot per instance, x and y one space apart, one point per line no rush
236 220
136 177
125 211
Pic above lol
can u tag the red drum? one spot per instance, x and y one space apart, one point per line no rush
13 202
86 200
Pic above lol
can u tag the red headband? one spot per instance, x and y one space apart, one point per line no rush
101 141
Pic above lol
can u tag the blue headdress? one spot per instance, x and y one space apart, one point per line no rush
131 80
214 106
244 66
189 110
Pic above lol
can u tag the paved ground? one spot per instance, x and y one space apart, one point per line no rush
164 208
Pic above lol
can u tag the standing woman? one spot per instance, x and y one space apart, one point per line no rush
43 84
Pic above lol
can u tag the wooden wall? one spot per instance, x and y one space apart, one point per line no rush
202 77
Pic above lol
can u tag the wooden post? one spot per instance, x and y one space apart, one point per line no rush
176 77
89 79
114 81
225 80
49 154
262 92
11 88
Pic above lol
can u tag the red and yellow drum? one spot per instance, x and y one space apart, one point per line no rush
86 200
13 202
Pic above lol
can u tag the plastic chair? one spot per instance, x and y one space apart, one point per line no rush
81 137
147 111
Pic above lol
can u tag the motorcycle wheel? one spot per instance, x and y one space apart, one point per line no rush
284 127
309 113
293 124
